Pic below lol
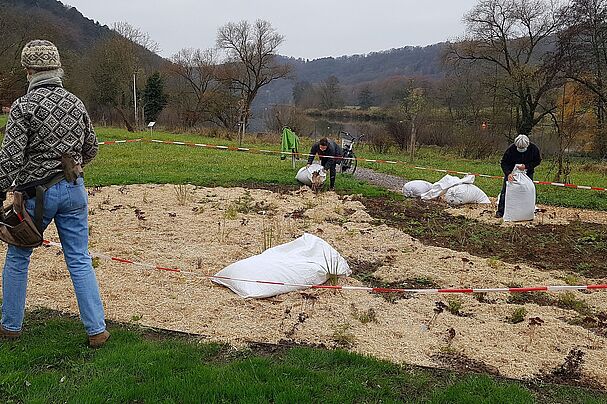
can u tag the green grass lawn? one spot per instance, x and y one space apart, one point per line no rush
159 163
212 167
135 163
51 363
3 119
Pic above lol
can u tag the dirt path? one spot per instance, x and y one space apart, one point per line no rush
391 182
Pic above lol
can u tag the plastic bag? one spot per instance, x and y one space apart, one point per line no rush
304 175
414 189
308 260
520 198
465 193
439 188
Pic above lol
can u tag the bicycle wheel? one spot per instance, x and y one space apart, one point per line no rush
345 164
354 163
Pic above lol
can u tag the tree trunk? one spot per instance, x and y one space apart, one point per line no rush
128 125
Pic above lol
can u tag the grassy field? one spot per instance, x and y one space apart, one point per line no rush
51 363
159 163
212 167
3 119
133 163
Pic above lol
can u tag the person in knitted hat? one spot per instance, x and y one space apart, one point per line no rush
49 137
523 155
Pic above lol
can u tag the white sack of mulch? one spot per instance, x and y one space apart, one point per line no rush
304 175
308 260
414 189
465 193
520 198
439 188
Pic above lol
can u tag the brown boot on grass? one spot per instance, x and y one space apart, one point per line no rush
97 341
6 334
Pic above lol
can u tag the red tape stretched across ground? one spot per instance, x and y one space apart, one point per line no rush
352 288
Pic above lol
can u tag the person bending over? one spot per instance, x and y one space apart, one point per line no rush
327 151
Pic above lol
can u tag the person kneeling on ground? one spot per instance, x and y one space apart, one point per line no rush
523 155
327 150
48 138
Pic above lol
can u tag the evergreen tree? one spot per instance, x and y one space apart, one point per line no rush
154 97
365 98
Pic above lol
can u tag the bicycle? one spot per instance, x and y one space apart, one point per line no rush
348 141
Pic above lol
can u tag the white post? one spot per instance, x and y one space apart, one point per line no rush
135 95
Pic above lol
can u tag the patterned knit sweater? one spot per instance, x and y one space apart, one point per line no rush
44 124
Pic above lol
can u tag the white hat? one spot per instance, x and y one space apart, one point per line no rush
522 143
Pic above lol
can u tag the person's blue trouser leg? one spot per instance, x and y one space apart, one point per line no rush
67 203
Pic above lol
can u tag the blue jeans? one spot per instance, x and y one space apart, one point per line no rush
67 204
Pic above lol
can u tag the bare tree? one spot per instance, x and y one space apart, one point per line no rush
251 63
195 70
517 37
136 36
330 93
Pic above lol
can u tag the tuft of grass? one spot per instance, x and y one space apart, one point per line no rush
572 280
518 315
231 213
343 337
569 301
267 236
331 267
454 306
364 316
183 193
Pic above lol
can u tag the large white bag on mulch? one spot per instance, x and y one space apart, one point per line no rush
304 175
304 261
520 198
464 194
439 188
414 189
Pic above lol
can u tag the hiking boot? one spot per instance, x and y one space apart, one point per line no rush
6 334
97 341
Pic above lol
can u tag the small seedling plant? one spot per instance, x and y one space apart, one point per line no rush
534 324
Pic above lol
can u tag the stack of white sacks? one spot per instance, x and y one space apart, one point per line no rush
456 191
520 194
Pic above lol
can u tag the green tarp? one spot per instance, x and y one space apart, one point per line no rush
290 143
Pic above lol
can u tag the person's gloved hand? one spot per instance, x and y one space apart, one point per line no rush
511 177
521 167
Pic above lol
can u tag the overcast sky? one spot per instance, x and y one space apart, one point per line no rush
312 28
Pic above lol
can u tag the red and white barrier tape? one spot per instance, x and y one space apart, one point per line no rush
381 161
121 141
351 288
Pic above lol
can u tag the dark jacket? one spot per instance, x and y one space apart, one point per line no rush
333 149
531 158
